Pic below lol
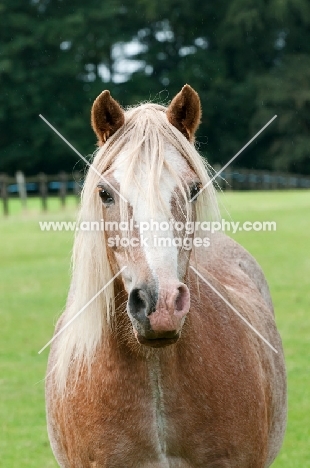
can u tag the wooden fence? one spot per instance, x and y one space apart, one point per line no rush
247 179
61 185
41 185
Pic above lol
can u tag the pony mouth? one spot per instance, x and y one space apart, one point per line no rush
158 342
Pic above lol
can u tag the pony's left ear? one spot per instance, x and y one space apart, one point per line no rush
184 112
107 116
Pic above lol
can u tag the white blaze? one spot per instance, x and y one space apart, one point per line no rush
161 259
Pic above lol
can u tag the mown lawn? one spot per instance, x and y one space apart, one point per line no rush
34 277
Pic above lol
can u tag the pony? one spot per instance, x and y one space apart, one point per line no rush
150 366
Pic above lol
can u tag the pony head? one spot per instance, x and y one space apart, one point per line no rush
149 179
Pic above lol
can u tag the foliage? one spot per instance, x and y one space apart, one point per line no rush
247 59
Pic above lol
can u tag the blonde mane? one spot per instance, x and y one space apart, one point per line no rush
147 127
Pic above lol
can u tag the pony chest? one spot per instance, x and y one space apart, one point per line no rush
139 413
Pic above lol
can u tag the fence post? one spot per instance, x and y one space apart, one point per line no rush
21 184
63 188
43 189
76 187
4 194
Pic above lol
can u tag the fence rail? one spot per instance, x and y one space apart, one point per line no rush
63 184
246 179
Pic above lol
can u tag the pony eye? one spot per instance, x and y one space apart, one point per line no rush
194 190
106 197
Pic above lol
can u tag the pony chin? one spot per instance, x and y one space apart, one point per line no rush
157 342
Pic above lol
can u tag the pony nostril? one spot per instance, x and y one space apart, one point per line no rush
181 300
136 298
137 302
142 302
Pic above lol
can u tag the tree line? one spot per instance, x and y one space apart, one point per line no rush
248 60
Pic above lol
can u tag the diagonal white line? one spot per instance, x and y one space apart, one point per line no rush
233 309
80 311
81 156
233 158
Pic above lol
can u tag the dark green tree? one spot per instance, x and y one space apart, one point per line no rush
239 55
52 58
247 59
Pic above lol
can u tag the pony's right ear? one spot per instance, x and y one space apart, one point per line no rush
107 116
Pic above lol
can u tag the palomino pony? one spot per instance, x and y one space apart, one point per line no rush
158 370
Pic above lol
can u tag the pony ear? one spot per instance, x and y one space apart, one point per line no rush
184 112
107 116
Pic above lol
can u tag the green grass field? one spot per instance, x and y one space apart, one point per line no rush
34 278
